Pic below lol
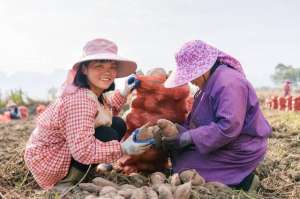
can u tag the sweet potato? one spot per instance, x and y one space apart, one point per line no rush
164 191
183 191
138 179
108 191
127 186
103 182
150 193
157 178
91 196
138 194
90 187
191 176
126 193
117 197
175 179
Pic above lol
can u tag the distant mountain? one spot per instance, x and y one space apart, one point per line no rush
35 85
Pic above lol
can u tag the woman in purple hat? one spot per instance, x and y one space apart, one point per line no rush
79 128
225 135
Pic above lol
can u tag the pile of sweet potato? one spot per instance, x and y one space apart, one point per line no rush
184 185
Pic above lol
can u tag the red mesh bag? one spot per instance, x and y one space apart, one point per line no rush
268 103
152 102
296 104
288 102
24 112
274 103
281 103
5 117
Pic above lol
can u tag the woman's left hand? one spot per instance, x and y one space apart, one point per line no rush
131 82
176 142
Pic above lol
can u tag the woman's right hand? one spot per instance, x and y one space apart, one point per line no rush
131 82
131 147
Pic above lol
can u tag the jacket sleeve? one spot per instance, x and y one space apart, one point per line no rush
83 146
116 101
229 104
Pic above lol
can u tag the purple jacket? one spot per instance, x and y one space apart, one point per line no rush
228 129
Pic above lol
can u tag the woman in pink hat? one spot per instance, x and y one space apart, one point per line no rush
225 135
79 128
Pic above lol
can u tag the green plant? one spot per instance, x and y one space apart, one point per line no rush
17 96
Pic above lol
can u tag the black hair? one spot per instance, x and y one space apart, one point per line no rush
215 66
81 80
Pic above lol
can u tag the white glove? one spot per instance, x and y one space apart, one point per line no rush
130 147
131 83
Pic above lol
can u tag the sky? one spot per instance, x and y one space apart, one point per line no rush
42 36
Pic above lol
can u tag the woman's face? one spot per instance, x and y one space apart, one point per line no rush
100 75
200 81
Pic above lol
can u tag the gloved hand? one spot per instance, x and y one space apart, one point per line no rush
144 134
130 147
131 83
169 138
176 142
137 132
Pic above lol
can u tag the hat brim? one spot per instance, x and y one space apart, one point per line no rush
125 66
181 77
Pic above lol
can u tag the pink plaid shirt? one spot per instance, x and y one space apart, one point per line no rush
66 129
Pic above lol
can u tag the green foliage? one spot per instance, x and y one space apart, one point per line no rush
17 96
284 72
2 101
21 99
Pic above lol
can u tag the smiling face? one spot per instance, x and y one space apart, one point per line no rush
100 75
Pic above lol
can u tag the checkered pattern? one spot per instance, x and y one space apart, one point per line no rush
66 129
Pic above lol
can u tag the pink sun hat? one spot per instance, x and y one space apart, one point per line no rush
194 59
98 49
103 49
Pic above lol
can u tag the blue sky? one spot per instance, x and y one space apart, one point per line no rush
42 36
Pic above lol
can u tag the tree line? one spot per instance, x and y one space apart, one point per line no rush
286 72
